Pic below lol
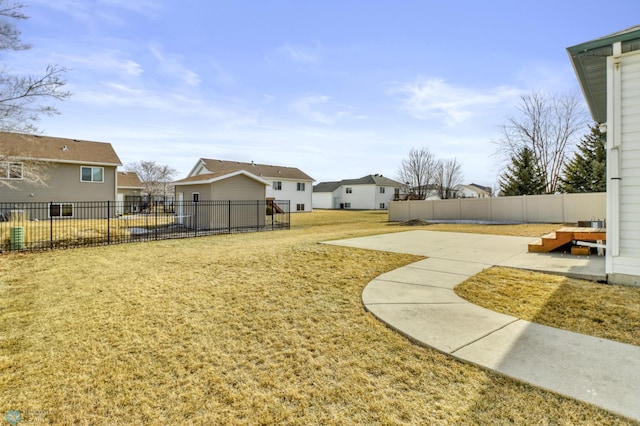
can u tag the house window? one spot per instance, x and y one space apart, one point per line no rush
348 190
300 186
382 189
382 205
347 205
92 174
10 170
300 207
277 185
60 210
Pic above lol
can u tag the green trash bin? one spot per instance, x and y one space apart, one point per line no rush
17 238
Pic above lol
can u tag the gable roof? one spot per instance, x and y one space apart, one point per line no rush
59 150
262 170
376 179
327 186
208 178
486 189
129 180
589 62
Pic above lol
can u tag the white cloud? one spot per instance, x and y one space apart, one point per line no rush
299 54
311 107
108 11
105 61
173 65
436 99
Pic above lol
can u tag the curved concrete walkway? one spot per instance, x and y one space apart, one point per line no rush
418 301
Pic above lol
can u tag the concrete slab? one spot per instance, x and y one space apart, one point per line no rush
583 267
591 369
446 327
423 277
463 267
379 291
418 301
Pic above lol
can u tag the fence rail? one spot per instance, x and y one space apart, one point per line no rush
53 225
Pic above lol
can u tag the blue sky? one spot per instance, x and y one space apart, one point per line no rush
339 89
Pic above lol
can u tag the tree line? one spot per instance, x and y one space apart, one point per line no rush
541 147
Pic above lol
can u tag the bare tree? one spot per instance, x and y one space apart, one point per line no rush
418 171
154 177
547 125
23 98
448 176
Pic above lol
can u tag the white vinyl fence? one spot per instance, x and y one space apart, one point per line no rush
557 208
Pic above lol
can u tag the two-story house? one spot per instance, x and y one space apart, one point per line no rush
371 192
285 183
57 171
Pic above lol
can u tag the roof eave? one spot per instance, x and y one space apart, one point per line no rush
589 63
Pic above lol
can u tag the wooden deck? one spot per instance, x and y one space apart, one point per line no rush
564 236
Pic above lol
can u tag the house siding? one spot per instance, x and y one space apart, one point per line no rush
323 200
290 192
624 136
238 188
63 184
221 216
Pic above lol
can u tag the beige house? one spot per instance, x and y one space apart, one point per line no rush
57 171
473 191
204 201
130 190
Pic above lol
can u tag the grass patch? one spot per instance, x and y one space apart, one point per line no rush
608 311
237 329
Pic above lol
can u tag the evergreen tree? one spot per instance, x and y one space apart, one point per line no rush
587 171
522 176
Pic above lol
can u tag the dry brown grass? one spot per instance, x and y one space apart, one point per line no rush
237 329
64 232
609 311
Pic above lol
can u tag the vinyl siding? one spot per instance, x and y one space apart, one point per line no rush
63 184
628 261
238 188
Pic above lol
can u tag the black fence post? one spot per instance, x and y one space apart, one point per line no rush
229 217
108 223
195 216
50 225
156 226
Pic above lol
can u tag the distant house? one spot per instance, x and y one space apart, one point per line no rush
284 183
71 170
608 69
473 191
130 191
371 192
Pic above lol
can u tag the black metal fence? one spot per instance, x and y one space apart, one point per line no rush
47 226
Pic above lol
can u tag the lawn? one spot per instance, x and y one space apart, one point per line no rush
258 328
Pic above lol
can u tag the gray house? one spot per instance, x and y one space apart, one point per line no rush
57 171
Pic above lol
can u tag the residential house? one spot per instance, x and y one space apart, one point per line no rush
285 183
130 191
371 192
473 191
608 69
57 171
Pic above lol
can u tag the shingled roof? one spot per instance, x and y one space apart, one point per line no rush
59 150
365 180
129 180
261 170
